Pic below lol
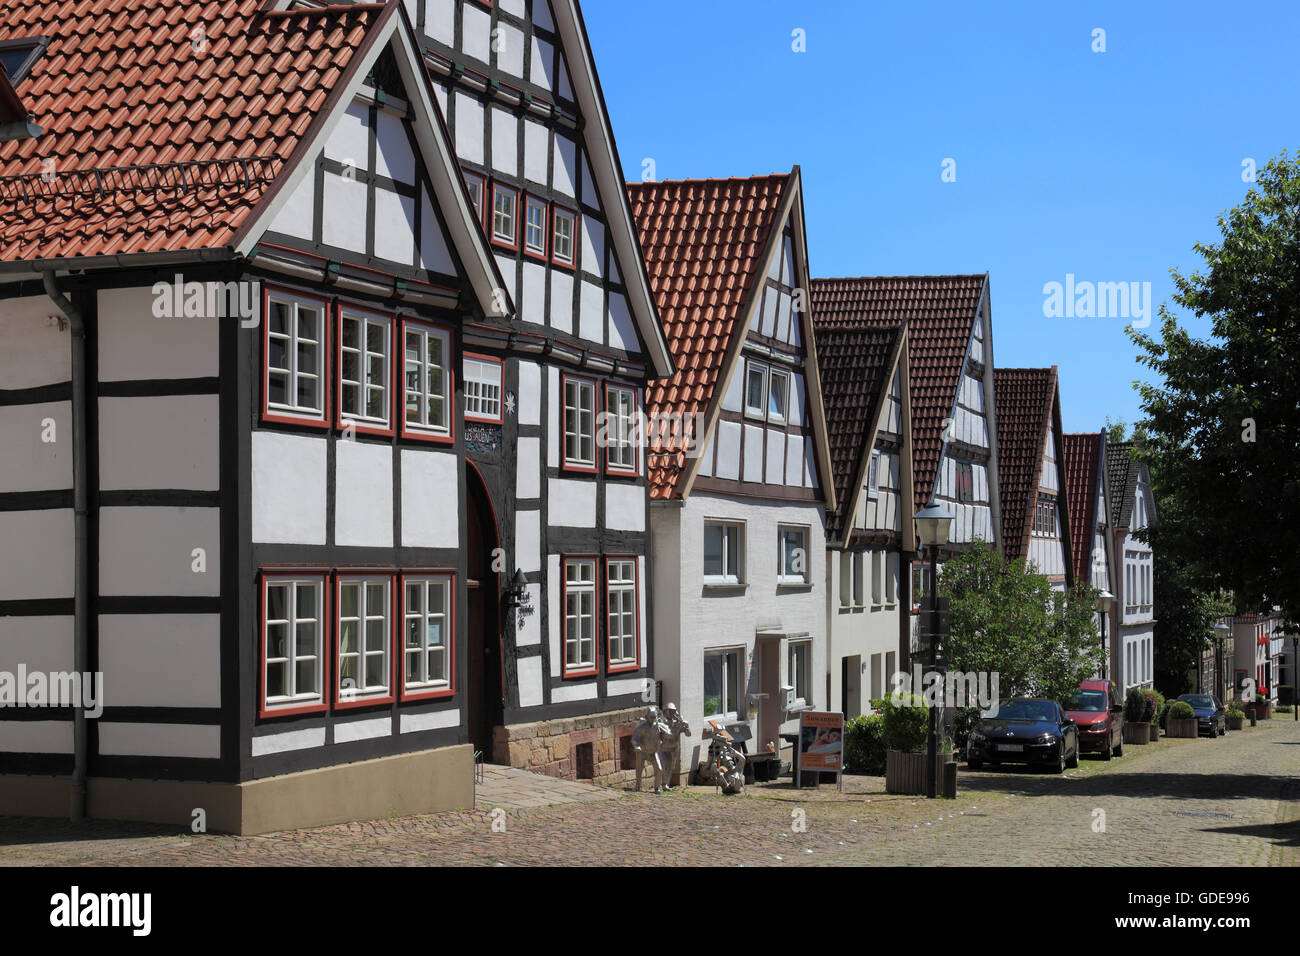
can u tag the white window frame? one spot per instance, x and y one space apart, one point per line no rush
758 411
800 674
584 590
620 421
476 183
783 574
292 342
567 240
873 476
621 607
775 375
730 708
363 385
294 697
422 390
500 216
424 652
584 419
728 577
363 691
484 380
532 203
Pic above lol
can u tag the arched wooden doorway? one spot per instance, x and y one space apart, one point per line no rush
484 681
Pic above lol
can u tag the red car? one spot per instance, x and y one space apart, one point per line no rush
1099 714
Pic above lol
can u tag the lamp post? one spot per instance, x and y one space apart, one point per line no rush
1295 675
1104 602
1221 631
932 526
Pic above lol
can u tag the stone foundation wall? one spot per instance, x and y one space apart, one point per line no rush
561 748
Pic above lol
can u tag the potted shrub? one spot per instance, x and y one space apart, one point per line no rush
1154 701
1136 728
1235 717
905 726
1181 720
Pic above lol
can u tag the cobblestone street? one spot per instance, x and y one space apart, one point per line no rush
1230 801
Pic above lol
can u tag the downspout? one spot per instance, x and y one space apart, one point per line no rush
81 560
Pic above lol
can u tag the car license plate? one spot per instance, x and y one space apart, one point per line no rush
1012 748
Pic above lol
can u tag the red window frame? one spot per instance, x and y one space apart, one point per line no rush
610 667
434 693
501 400
530 202
417 432
618 470
565 465
364 574
360 426
283 416
513 244
483 192
596 611
556 211
264 575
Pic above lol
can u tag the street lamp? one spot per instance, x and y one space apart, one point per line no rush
1105 600
1221 631
932 526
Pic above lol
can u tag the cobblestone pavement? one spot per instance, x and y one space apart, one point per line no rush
1234 800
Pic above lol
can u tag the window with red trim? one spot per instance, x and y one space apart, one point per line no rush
622 614
579 423
484 378
619 429
296 342
579 616
429 622
505 215
428 385
563 235
292 643
365 371
364 639
535 215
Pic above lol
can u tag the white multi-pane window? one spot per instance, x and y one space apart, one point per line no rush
767 392
535 212
724 543
505 215
295 357
563 231
621 611
620 429
579 423
483 387
428 623
293 640
722 684
364 369
364 630
427 400
793 558
579 616
477 187
799 661
755 390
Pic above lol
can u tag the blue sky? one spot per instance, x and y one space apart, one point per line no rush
1107 166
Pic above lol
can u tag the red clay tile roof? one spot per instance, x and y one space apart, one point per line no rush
1082 469
126 83
703 241
1024 397
940 315
854 363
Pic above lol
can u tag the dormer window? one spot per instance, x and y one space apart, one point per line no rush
17 56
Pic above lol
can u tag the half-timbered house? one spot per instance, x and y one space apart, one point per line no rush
953 434
739 493
1132 508
313 317
1091 544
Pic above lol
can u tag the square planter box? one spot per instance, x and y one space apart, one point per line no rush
1181 728
1137 733
904 773
1235 723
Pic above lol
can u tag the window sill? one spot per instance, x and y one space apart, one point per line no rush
794 586
737 586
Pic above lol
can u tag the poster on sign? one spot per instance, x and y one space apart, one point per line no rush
821 745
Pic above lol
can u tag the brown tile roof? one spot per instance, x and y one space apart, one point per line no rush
940 314
854 364
703 241
126 83
1025 399
1122 471
1082 469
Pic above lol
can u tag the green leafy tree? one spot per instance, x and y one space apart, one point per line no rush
1221 422
1006 619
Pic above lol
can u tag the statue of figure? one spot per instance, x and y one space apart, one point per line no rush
673 747
648 742
731 769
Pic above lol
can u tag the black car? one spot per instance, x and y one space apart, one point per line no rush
1024 730
1210 716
